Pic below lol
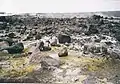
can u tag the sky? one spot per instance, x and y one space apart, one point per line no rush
58 6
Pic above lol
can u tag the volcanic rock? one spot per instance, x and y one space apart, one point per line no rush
64 38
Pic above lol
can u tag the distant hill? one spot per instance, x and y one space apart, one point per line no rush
111 13
82 14
67 15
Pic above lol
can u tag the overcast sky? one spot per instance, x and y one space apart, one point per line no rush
56 6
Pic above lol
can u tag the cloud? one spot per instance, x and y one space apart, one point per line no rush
45 6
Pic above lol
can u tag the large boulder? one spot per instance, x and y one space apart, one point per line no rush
64 38
95 48
46 48
63 52
48 62
16 48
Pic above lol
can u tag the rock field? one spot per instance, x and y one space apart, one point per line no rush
77 50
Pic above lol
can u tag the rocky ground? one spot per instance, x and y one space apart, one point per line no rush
74 50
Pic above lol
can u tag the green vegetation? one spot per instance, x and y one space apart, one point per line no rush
18 66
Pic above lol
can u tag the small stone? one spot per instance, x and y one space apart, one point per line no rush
63 52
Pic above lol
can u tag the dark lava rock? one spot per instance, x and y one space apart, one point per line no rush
46 48
63 52
117 37
37 36
43 48
64 38
92 30
41 45
11 35
16 48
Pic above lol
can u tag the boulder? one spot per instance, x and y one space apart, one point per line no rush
11 35
48 62
54 56
95 48
16 48
35 56
54 41
37 36
63 52
64 38
44 46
